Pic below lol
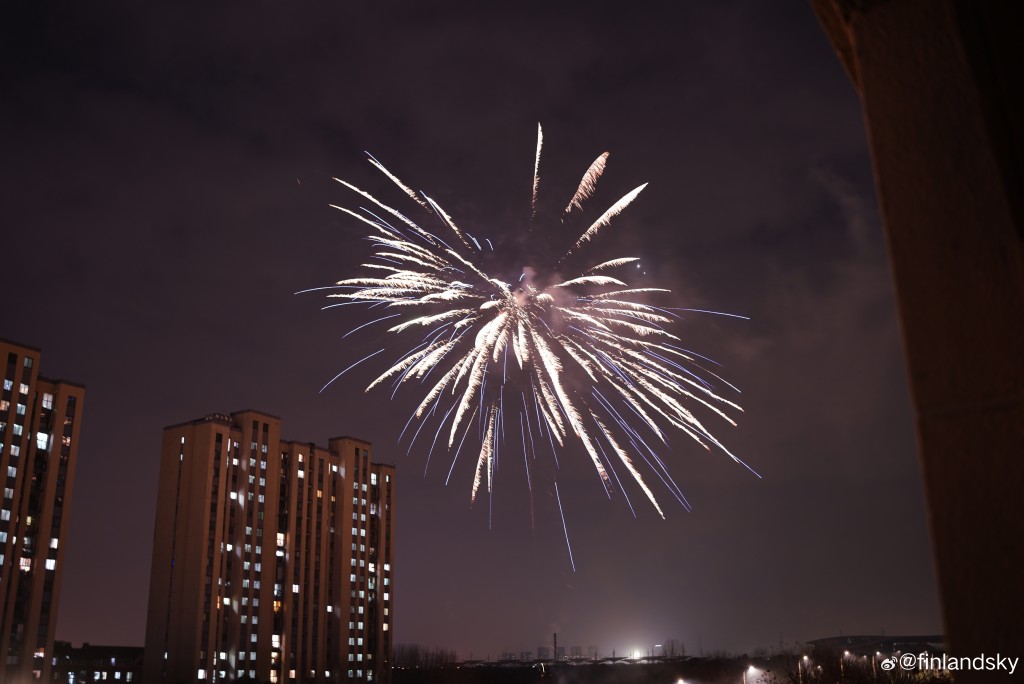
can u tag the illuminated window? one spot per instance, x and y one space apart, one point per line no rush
42 441
20 410
51 564
24 388
47 400
53 543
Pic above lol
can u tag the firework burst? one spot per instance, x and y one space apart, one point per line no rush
532 359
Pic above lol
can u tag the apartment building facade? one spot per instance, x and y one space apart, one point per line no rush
272 560
40 420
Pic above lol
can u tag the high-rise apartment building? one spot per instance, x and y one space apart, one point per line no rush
272 560
39 424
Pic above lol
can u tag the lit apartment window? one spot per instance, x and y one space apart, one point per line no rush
51 564
47 400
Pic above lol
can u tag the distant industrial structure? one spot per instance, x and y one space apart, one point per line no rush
272 560
40 420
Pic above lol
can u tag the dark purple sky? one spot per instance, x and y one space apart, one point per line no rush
166 175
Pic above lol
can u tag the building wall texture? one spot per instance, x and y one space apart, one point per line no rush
272 560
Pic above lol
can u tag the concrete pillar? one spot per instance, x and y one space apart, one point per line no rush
940 85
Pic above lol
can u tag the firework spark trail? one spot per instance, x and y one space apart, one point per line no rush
587 349
536 173
565 527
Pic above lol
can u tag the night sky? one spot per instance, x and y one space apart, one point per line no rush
166 177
